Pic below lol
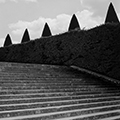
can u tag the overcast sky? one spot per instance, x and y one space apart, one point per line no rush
17 15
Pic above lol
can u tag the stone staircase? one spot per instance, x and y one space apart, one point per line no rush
49 92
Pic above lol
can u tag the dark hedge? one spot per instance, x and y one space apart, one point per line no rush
8 41
97 49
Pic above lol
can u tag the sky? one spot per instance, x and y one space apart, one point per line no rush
17 15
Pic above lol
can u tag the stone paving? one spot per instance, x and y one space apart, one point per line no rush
49 92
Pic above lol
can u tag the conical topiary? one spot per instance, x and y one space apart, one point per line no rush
46 31
73 23
26 37
111 15
7 41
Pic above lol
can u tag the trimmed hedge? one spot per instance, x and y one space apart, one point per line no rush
74 24
111 15
26 37
97 49
8 41
46 31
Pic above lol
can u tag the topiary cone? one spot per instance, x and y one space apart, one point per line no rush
7 41
73 23
111 16
46 31
26 37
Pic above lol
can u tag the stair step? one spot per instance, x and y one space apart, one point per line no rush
24 96
49 92
84 100
59 103
90 114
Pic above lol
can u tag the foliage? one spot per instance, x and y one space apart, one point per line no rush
7 41
111 16
26 37
74 24
46 31
97 49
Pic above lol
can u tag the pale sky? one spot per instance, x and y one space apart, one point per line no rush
17 15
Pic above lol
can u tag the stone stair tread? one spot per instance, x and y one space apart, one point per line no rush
42 92
62 96
65 114
70 107
29 96
61 99
55 105
109 116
